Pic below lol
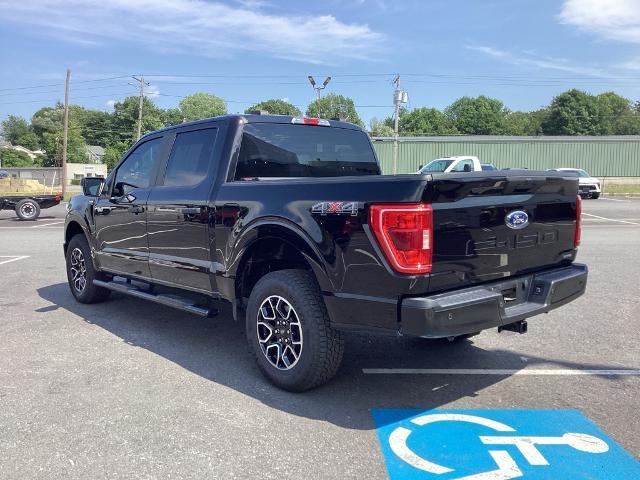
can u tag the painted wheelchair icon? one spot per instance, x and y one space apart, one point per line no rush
507 466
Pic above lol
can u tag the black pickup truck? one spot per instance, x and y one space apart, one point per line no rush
291 221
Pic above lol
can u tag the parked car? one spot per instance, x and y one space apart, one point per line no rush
465 163
290 220
589 187
4 174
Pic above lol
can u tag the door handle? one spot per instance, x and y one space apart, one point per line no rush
136 209
99 209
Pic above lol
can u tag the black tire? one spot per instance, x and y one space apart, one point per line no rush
27 209
595 196
321 347
79 258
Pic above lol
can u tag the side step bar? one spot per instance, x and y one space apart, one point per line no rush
168 300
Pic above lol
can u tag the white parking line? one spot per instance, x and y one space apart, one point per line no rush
47 224
499 371
12 258
609 219
614 200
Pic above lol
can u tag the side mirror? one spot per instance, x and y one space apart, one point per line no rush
92 186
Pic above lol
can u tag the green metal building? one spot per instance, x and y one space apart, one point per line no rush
617 156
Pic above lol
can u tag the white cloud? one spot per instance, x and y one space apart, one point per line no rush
152 91
528 58
197 27
611 19
110 103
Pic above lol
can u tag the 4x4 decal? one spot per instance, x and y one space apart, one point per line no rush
324 208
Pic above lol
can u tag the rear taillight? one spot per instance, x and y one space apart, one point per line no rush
578 232
405 234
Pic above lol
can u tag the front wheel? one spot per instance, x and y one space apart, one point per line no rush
27 209
81 272
595 196
289 333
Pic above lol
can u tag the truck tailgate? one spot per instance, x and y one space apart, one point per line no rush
472 241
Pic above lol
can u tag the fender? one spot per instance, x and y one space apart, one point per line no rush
278 227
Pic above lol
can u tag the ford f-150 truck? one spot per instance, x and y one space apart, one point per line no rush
291 221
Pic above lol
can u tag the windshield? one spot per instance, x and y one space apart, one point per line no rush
285 150
576 171
438 165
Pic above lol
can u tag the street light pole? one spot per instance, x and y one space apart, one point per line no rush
317 88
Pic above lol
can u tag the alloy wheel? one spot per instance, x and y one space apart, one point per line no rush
78 270
279 332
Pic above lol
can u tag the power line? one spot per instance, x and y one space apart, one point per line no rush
62 84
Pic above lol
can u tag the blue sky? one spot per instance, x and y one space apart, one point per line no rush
521 51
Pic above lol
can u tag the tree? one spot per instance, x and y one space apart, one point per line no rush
11 158
47 123
95 125
17 131
573 112
525 123
113 153
335 106
616 115
425 121
172 116
275 106
378 128
201 105
125 119
477 116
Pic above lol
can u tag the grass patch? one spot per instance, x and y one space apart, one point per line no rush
622 188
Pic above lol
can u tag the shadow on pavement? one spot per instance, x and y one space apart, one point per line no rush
216 350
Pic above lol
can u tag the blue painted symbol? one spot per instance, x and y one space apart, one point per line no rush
517 219
498 445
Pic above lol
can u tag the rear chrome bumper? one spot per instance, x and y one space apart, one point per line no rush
491 305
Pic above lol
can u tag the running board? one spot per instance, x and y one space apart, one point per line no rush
163 299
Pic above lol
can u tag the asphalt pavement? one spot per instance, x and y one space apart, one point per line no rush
129 389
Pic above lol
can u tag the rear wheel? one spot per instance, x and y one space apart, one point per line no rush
289 333
27 209
81 272
595 195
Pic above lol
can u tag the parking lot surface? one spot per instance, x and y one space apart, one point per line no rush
129 389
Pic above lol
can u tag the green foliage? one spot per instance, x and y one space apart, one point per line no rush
11 158
275 106
113 153
173 116
95 125
17 131
477 116
425 121
572 113
525 123
378 128
335 106
201 105
125 119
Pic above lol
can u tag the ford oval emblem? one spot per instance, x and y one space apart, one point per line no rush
517 219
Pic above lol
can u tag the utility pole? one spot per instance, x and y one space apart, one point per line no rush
65 134
318 89
399 96
142 84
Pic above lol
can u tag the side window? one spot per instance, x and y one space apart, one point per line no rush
136 170
190 158
460 167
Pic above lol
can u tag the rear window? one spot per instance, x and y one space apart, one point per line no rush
436 166
283 150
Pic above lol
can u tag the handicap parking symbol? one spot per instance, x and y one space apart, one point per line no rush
498 445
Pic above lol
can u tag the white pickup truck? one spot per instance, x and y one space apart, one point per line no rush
463 163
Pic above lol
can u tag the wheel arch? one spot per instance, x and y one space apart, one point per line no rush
271 246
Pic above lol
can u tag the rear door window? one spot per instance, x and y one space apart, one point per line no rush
190 158
286 150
